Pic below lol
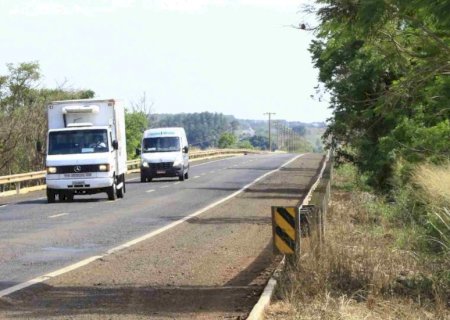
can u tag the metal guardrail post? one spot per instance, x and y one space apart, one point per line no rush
18 187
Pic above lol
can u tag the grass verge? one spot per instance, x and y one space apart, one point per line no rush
376 262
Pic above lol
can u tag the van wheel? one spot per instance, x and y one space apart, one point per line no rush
111 192
181 176
186 175
51 196
143 178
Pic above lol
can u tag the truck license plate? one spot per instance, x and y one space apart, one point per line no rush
77 175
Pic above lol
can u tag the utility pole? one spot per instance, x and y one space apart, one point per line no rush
270 136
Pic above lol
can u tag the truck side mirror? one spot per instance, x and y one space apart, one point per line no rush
138 152
115 144
38 146
186 149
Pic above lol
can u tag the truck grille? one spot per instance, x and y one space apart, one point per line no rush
78 168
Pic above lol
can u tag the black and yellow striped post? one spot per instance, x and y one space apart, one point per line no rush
285 226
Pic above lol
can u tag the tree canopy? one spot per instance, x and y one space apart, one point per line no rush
23 117
386 66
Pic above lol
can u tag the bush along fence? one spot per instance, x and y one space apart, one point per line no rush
294 227
31 181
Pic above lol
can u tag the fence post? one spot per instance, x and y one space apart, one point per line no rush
18 187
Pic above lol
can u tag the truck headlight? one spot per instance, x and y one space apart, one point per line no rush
103 167
145 164
51 169
178 162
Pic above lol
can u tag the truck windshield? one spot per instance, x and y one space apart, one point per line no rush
161 144
78 141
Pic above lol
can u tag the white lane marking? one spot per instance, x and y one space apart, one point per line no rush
151 190
163 187
58 215
177 182
3 205
208 162
84 262
196 177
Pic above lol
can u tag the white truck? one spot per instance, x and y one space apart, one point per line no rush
86 149
164 153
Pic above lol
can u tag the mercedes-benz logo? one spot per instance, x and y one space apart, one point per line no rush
77 169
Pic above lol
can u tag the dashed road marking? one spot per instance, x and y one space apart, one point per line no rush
151 190
3 205
163 187
177 182
58 215
196 177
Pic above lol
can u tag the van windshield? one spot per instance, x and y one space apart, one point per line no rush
161 144
78 141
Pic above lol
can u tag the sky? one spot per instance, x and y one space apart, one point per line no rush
236 57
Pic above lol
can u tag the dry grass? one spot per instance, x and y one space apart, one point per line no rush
358 274
435 181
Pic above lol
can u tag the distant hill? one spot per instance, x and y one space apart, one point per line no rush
205 128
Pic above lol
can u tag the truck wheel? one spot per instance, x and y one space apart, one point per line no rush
111 192
51 196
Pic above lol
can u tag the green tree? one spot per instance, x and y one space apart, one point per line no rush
23 117
135 124
227 140
244 144
385 64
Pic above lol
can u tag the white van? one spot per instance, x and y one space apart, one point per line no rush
164 153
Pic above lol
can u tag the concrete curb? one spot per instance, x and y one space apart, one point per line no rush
257 312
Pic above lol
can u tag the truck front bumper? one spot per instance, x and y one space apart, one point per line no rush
98 184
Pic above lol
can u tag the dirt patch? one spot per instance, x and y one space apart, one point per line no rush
211 266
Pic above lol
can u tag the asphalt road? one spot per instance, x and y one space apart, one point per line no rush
37 238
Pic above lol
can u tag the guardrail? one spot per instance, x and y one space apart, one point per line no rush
291 225
294 227
13 184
